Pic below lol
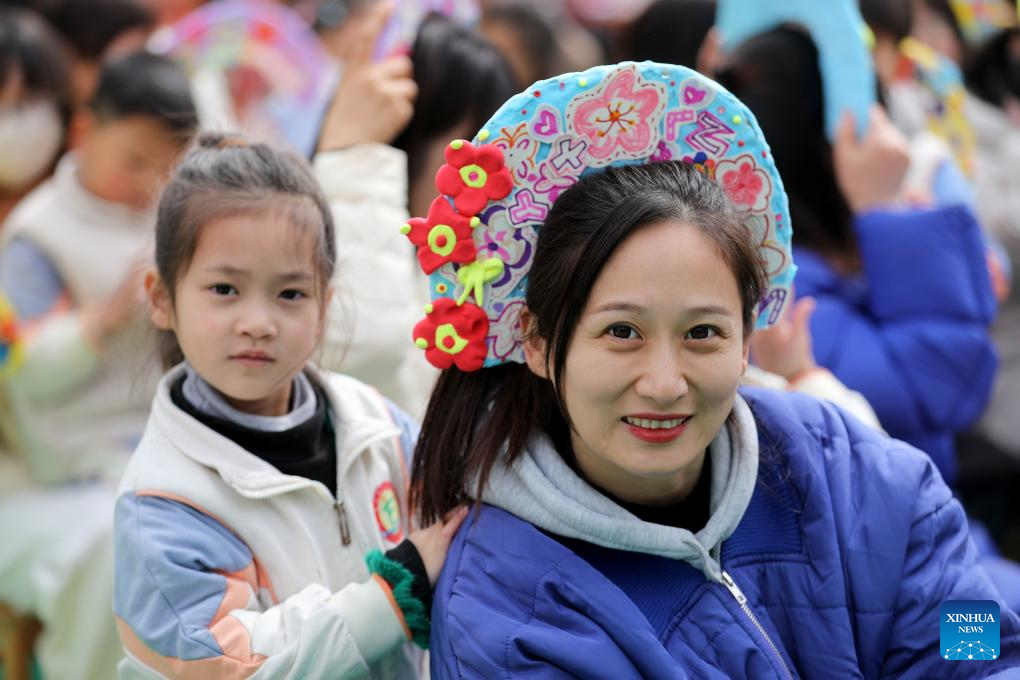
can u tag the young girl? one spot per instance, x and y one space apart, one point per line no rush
251 517
637 515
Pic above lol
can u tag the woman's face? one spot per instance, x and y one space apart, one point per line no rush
653 367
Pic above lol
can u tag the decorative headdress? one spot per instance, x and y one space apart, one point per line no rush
839 32
938 87
981 19
478 240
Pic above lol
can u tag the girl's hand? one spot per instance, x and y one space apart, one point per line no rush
870 171
434 542
785 349
375 99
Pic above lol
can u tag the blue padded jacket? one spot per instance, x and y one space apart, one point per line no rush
911 332
849 546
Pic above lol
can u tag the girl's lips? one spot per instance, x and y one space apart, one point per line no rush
254 359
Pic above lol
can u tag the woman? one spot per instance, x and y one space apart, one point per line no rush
637 516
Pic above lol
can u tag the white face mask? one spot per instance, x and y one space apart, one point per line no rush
30 136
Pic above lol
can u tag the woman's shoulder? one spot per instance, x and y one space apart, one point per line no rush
815 440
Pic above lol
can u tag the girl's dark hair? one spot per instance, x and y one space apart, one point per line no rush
225 176
992 70
461 78
776 74
29 47
669 32
893 17
473 417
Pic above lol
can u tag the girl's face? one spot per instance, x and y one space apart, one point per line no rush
653 367
248 313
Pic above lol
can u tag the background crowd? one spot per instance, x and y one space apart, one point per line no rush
99 99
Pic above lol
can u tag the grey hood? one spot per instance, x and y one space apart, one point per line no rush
543 490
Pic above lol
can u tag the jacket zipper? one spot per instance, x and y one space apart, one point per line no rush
738 595
345 529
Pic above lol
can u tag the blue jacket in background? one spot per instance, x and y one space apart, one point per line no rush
850 544
911 332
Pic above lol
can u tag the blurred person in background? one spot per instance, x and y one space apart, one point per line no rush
913 340
525 37
674 32
380 147
71 261
34 103
97 30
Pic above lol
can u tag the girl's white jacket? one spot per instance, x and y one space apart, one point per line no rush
227 568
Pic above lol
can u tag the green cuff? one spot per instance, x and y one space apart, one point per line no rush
400 579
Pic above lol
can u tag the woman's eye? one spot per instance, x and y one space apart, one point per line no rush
292 294
223 289
622 332
702 333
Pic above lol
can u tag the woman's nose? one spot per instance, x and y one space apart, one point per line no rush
662 379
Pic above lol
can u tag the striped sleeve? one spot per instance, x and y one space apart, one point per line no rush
192 601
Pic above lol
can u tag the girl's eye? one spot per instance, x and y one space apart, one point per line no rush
291 294
622 332
702 333
223 289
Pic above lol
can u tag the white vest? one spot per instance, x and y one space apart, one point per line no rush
92 243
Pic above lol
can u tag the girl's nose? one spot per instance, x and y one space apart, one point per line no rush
256 323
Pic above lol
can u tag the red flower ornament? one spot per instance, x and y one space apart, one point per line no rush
473 176
444 236
453 335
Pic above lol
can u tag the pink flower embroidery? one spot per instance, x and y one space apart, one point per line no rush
619 119
745 184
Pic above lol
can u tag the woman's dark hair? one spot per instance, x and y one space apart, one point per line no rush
892 17
461 78
144 84
473 417
225 176
776 74
669 32
31 49
992 70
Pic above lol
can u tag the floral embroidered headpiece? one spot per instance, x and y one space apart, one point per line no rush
478 240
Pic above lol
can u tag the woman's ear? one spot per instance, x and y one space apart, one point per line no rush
158 301
535 352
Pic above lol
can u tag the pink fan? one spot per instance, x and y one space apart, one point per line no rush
257 64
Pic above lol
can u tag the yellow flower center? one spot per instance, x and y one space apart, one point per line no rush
473 176
448 340
442 239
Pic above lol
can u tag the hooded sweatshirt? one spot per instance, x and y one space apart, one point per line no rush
543 490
